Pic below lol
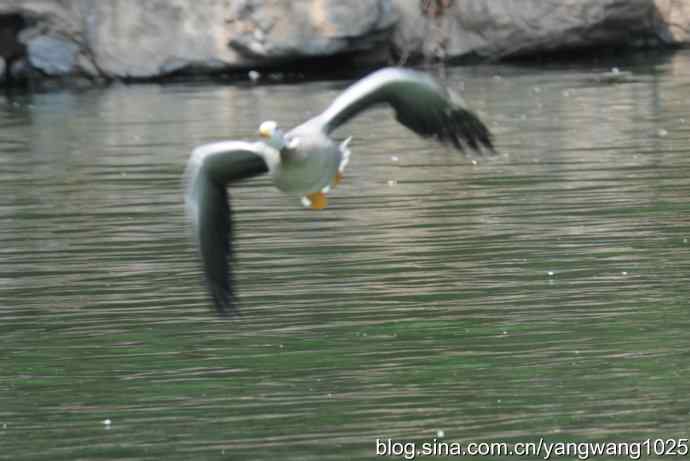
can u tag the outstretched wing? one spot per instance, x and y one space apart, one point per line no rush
210 169
420 103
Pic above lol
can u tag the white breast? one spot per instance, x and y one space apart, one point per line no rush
312 174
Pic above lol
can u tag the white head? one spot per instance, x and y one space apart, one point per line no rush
273 135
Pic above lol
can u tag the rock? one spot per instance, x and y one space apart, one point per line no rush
122 39
143 39
673 21
59 18
279 30
51 55
504 28
174 35
54 20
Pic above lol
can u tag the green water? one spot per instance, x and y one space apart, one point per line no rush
539 293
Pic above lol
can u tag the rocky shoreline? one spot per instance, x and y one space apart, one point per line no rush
86 41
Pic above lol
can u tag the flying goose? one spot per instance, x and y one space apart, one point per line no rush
306 162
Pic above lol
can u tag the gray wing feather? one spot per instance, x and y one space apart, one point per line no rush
210 169
420 103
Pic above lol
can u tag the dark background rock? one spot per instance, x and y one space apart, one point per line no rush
11 48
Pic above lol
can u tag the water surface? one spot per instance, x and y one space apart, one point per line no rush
542 292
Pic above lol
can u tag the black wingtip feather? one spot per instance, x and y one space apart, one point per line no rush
223 300
467 128
456 126
216 246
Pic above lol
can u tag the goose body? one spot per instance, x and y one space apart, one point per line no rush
306 162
